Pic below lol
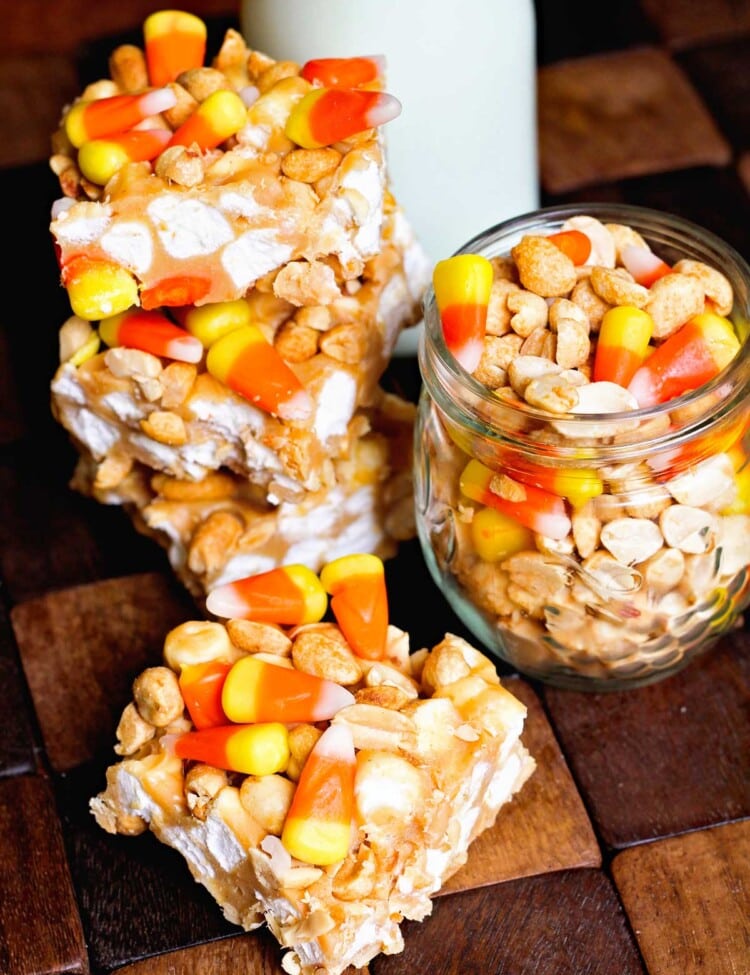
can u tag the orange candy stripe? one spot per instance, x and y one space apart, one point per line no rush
340 113
361 610
180 290
201 686
574 244
174 41
343 72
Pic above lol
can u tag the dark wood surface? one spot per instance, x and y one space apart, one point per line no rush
627 853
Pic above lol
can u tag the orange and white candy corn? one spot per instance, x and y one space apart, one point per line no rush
220 115
255 690
100 159
691 356
327 115
643 264
624 336
318 826
174 41
288 595
344 72
104 117
252 367
256 749
541 511
359 602
150 331
462 287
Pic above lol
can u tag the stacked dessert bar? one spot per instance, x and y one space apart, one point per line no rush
239 273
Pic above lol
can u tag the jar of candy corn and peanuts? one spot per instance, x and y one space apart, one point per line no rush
581 454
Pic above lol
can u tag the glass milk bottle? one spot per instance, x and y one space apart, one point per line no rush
463 152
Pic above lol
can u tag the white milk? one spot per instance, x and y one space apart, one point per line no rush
463 153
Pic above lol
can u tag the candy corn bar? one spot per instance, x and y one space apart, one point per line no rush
258 385
222 527
234 193
328 830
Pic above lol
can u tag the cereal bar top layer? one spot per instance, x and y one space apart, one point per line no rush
224 197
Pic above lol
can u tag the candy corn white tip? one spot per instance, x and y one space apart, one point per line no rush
470 354
336 742
185 349
553 526
225 602
158 100
333 697
641 387
385 109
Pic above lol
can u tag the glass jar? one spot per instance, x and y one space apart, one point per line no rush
650 566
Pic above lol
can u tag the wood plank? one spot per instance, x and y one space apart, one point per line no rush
719 73
16 736
688 899
82 647
684 23
618 115
257 951
40 929
566 923
545 827
663 759
137 898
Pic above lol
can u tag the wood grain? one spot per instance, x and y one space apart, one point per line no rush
16 736
670 757
40 929
684 23
567 923
688 899
545 827
618 115
81 648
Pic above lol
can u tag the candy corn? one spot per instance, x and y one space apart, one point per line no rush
540 511
209 322
327 115
691 356
174 41
150 331
574 244
288 595
220 115
182 289
100 159
624 335
97 289
252 367
343 72
317 828
255 690
104 117
496 536
643 264
201 686
359 602
576 484
257 749
462 292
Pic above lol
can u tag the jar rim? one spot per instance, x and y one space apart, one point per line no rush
447 380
